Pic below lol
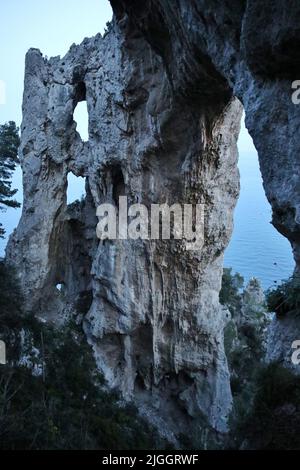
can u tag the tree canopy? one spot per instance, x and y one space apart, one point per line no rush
9 144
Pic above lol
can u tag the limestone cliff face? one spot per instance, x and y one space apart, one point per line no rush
254 45
163 126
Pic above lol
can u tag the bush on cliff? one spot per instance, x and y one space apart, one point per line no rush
285 299
273 422
230 291
50 392
9 143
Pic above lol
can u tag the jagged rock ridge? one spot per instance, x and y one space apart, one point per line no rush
161 89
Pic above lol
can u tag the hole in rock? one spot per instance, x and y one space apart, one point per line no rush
60 287
80 92
81 118
118 183
76 188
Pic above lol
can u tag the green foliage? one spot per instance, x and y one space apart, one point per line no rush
230 335
9 143
273 422
243 338
230 291
10 298
285 299
244 359
243 333
52 396
11 318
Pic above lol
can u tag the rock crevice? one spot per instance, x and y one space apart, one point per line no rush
162 89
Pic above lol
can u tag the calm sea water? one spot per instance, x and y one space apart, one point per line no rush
256 249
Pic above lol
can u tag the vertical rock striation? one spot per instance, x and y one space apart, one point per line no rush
163 126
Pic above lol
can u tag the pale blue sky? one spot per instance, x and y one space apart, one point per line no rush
51 26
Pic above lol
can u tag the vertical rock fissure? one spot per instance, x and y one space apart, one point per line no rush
163 127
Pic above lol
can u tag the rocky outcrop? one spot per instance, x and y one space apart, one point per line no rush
161 89
245 339
253 45
282 334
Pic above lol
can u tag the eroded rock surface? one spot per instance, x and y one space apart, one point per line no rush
163 125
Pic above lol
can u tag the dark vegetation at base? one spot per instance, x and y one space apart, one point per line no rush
51 395
266 411
273 420
52 398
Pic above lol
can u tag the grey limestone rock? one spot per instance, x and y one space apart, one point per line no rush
163 88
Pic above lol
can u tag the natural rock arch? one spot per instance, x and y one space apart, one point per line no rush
160 90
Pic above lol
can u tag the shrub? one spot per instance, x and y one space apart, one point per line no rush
273 422
51 395
230 291
285 298
10 299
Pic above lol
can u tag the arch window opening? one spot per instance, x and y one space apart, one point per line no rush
256 249
81 118
76 188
